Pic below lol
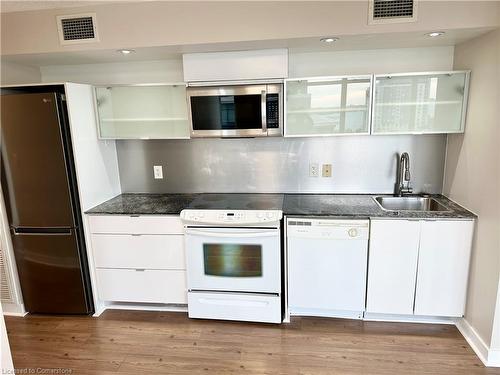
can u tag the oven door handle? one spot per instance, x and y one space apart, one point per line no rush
196 232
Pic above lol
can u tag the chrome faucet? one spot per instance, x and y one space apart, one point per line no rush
403 176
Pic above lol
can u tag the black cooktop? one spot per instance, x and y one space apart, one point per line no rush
235 201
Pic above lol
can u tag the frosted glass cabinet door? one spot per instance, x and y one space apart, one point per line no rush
142 112
328 106
420 103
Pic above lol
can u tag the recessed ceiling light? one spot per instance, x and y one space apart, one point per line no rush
329 39
126 51
435 34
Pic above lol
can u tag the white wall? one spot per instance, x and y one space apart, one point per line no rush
6 365
116 73
370 61
472 175
12 74
300 65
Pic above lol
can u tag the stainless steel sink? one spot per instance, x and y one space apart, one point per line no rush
409 204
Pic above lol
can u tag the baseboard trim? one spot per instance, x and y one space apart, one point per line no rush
343 314
13 309
144 307
494 358
474 340
396 318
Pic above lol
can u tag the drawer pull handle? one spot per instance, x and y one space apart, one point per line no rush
136 235
140 269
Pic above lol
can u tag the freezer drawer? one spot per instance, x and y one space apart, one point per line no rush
142 286
233 306
50 273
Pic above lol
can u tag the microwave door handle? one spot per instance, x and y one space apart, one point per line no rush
263 110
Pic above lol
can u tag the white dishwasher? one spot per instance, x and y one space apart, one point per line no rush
327 263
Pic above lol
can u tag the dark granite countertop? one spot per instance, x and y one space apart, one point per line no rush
334 205
173 204
144 204
363 206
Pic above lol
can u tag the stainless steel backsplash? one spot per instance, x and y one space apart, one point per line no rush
360 164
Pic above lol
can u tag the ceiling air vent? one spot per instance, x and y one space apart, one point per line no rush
77 28
392 11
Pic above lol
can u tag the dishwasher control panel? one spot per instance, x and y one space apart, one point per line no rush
328 228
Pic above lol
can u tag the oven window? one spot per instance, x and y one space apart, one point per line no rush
232 260
226 112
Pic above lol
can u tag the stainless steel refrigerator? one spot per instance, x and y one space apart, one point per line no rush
41 198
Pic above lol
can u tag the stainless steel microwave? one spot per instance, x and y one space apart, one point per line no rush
247 110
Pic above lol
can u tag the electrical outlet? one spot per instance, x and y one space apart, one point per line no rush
313 170
327 170
158 172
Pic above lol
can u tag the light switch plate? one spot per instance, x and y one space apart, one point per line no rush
313 170
327 170
158 172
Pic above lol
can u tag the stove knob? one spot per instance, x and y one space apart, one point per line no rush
260 215
269 215
353 232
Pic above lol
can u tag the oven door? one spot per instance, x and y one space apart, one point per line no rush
233 259
234 111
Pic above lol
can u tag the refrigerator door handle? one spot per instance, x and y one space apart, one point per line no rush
20 231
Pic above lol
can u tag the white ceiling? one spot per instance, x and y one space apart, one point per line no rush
26 5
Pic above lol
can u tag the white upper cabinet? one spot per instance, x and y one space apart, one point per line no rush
417 103
235 65
327 106
142 112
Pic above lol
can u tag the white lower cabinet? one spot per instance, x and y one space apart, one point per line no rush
160 251
392 266
443 267
419 267
142 285
139 259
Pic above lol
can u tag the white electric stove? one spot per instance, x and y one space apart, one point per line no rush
233 260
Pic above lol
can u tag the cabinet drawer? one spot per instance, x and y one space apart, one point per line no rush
139 251
147 286
149 224
229 306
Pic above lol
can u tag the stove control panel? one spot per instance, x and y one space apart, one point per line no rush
227 217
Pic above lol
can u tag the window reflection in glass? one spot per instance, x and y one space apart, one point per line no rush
328 107
232 260
419 103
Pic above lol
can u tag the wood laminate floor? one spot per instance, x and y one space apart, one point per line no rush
139 342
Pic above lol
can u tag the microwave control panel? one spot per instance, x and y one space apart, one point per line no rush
272 111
